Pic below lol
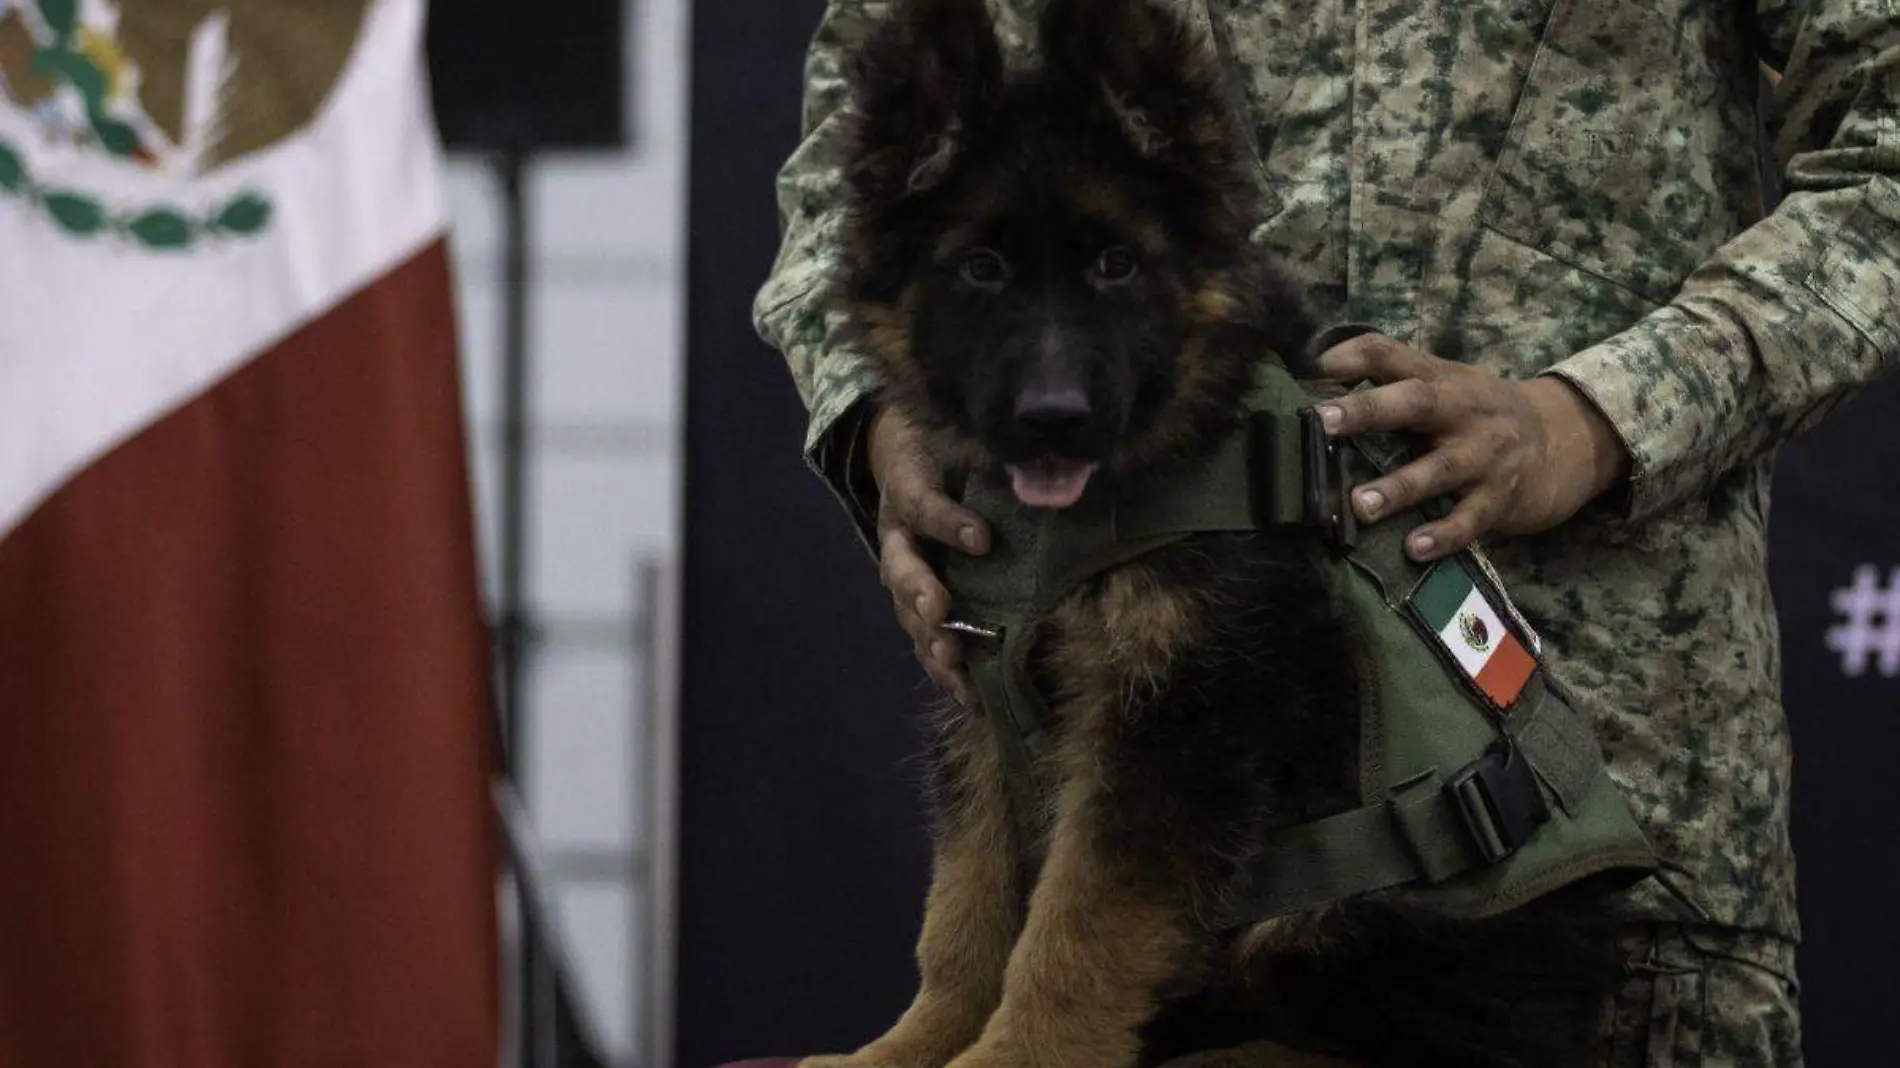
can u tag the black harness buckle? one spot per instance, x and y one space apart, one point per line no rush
1327 482
1497 798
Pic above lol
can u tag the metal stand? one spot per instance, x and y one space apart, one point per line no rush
514 628
549 1031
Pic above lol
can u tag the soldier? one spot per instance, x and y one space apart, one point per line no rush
1558 215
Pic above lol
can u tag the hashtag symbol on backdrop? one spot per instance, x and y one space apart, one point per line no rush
1870 623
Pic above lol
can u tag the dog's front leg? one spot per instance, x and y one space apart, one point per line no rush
973 911
1163 791
1103 939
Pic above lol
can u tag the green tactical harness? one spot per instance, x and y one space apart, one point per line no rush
1471 807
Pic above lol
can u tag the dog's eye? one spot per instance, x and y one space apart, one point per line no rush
984 268
1116 266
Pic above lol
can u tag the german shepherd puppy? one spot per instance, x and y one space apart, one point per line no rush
1052 268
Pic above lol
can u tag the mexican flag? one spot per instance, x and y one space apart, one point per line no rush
243 672
1453 604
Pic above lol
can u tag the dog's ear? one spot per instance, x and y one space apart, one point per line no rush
925 83
1141 62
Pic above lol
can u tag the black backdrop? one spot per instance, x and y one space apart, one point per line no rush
1836 512
803 856
802 861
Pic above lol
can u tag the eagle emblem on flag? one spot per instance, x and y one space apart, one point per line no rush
1477 635
155 86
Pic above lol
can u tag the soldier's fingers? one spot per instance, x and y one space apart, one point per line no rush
1376 357
904 607
948 679
941 654
913 585
1413 404
943 658
921 505
893 543
913 624
946 650
1440 471
1469 521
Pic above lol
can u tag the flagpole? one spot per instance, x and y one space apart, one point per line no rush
514 625
548 1024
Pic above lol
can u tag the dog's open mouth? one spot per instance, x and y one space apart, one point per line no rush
1051 482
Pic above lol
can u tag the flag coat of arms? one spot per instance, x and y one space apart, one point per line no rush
1452 602
243 675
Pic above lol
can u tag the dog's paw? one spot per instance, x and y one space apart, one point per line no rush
853 1060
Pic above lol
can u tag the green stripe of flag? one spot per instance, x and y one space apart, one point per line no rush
1442 592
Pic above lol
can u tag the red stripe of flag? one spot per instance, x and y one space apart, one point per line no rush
1507 671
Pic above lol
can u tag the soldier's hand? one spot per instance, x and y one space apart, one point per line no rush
912 505
1520 457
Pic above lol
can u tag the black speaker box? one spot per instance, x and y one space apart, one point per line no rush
516 77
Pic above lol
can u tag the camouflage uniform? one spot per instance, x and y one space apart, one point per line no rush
1570 187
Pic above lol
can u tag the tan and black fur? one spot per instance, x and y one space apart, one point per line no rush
1201 695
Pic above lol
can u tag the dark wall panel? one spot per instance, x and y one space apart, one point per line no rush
803 848
1836 527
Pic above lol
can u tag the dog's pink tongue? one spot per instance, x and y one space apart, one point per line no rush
1050 482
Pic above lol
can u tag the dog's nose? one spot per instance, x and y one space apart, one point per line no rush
1052 410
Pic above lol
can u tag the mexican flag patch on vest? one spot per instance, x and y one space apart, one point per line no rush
1453 605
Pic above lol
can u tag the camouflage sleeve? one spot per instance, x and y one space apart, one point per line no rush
1787 319
790 311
